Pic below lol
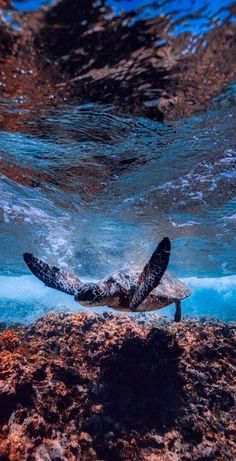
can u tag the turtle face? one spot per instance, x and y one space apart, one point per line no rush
90 294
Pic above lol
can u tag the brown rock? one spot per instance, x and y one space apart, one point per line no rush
142 393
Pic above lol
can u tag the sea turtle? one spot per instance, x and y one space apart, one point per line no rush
125 290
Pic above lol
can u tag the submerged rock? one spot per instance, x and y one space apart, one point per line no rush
106 387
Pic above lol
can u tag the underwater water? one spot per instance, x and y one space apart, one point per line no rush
93 191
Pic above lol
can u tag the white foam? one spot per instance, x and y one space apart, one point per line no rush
57 230
186 224
230 218
24 299
212 297
27 289
219 284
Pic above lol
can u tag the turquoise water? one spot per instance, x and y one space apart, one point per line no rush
114 186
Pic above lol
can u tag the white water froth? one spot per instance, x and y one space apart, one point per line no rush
56 231
24 299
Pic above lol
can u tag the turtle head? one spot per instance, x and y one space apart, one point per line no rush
90 294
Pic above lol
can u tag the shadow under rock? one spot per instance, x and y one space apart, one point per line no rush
140 387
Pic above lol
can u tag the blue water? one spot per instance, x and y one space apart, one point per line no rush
113 186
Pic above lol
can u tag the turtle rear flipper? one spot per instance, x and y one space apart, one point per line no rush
51 276
178 313
152 273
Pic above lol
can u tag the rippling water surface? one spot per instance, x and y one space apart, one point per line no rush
192 16
94 191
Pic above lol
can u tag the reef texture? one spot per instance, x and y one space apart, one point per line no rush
90 387
84 53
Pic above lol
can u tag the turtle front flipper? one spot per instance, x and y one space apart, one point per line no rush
51 276
152 273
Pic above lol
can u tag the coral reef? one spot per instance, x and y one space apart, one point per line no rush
109 387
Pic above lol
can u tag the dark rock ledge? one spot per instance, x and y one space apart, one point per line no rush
90 387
